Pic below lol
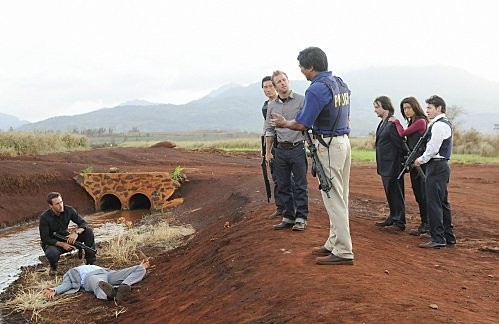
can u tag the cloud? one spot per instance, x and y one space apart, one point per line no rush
66 57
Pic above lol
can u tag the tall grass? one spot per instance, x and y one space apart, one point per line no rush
125 247
35 143
235 144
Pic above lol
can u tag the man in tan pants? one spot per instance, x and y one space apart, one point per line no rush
327 112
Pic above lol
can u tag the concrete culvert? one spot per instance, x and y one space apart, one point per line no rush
139 201
110 202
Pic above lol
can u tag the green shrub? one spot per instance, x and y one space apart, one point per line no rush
88 169
178 174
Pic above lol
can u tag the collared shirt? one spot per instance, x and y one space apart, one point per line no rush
49 223
439 132
83 270
289 108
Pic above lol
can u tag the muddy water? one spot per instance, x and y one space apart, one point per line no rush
20 245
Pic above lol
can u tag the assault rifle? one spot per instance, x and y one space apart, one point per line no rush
409 161
264 171
325 183
79 245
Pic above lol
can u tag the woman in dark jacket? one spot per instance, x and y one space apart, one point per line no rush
417 123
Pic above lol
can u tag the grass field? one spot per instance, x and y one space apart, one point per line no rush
18 143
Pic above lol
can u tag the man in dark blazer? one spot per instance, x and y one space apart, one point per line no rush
389 152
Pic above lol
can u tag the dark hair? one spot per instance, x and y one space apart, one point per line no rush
385 103
436 101
313 57
51 196
416 107
276 73
266 78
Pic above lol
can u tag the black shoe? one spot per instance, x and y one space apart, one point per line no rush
384 223
283 225
422 229
393 229
122 292
333 260
425 236
321 251
107 288
432 245
450 239
299 226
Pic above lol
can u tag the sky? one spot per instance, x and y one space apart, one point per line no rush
67 57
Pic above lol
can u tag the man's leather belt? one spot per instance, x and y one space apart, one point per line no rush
289 145
330 135
438 159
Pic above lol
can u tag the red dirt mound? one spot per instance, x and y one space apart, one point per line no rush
248 272
164 144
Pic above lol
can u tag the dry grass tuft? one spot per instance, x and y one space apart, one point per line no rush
30 297
124 248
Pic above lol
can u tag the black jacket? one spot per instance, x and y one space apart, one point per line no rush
49 223
389 149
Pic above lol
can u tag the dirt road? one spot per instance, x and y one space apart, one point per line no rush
249 272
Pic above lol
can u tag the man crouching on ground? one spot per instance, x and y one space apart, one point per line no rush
56 219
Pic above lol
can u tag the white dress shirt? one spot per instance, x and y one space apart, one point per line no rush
439 133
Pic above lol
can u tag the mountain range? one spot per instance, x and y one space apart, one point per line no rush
238 108
10 122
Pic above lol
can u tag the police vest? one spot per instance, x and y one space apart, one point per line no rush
340 104
446 147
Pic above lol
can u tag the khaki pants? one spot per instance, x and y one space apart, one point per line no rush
336 162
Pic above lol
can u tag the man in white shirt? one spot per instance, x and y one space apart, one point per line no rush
436 156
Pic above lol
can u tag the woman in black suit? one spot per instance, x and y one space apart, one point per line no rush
389 150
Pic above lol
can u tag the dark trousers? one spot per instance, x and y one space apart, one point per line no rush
439 211
278 203
291 165
394 191
53 253
418 188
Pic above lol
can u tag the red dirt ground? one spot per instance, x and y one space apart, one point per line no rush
252 273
